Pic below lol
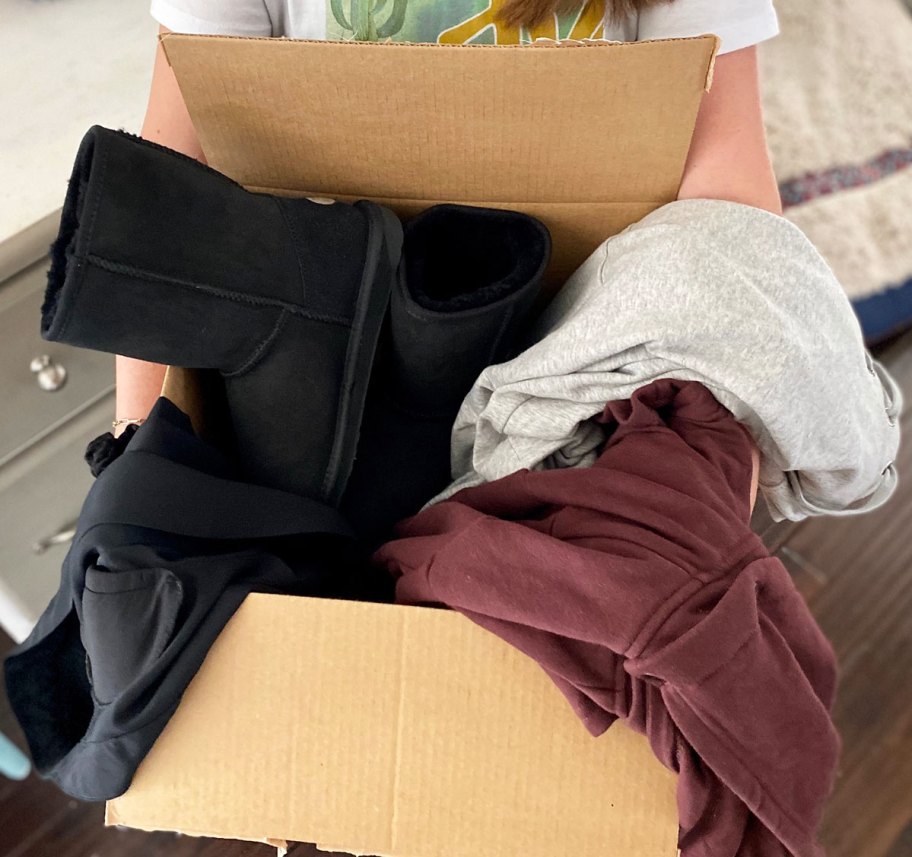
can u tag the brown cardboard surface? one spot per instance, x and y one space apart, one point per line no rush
390 730
588 137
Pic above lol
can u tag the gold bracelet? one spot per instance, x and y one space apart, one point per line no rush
117 423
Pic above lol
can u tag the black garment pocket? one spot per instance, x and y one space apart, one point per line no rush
127 620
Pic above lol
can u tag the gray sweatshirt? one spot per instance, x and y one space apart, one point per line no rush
711 291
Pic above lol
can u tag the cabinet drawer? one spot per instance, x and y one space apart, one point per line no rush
29 412
41 494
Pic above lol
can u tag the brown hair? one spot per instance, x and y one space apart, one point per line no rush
532 12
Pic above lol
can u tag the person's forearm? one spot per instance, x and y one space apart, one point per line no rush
755 475
728 156
167 122
138 387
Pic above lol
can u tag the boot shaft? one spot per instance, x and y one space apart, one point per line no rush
467 282
147 212
468 279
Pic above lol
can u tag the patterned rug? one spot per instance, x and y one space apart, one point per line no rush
838 106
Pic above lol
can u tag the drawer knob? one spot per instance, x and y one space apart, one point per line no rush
51 375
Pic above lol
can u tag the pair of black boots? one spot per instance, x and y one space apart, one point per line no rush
346 346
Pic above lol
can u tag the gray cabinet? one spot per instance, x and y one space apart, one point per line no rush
30 410
44 428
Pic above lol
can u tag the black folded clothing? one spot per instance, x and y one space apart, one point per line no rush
168 545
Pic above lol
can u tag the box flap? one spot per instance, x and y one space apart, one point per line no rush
200 393
587 139
390 730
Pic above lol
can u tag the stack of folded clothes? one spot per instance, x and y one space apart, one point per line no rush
585 477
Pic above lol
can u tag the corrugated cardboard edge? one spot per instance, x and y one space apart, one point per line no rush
711 65
545 42
111 820
538 43
182 387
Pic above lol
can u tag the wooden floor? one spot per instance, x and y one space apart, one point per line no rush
856 574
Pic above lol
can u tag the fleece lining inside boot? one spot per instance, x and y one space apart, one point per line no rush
459 257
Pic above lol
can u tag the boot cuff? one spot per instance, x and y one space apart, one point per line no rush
102 179
460 257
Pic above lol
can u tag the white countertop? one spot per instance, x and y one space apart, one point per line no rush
64 65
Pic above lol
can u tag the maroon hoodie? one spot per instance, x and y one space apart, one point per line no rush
640 588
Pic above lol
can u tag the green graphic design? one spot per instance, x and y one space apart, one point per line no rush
452 22
362 21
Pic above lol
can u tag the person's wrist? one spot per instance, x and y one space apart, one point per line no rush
118 426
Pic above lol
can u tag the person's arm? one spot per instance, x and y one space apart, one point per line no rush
166 122
728 156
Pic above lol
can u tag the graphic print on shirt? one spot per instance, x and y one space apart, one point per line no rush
453 23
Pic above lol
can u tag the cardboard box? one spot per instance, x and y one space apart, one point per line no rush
405 731
388 730
587 136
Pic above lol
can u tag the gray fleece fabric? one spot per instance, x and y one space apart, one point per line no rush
699 290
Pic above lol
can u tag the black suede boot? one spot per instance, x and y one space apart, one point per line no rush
162 258
468 279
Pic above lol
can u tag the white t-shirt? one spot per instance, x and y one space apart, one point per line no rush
739 23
